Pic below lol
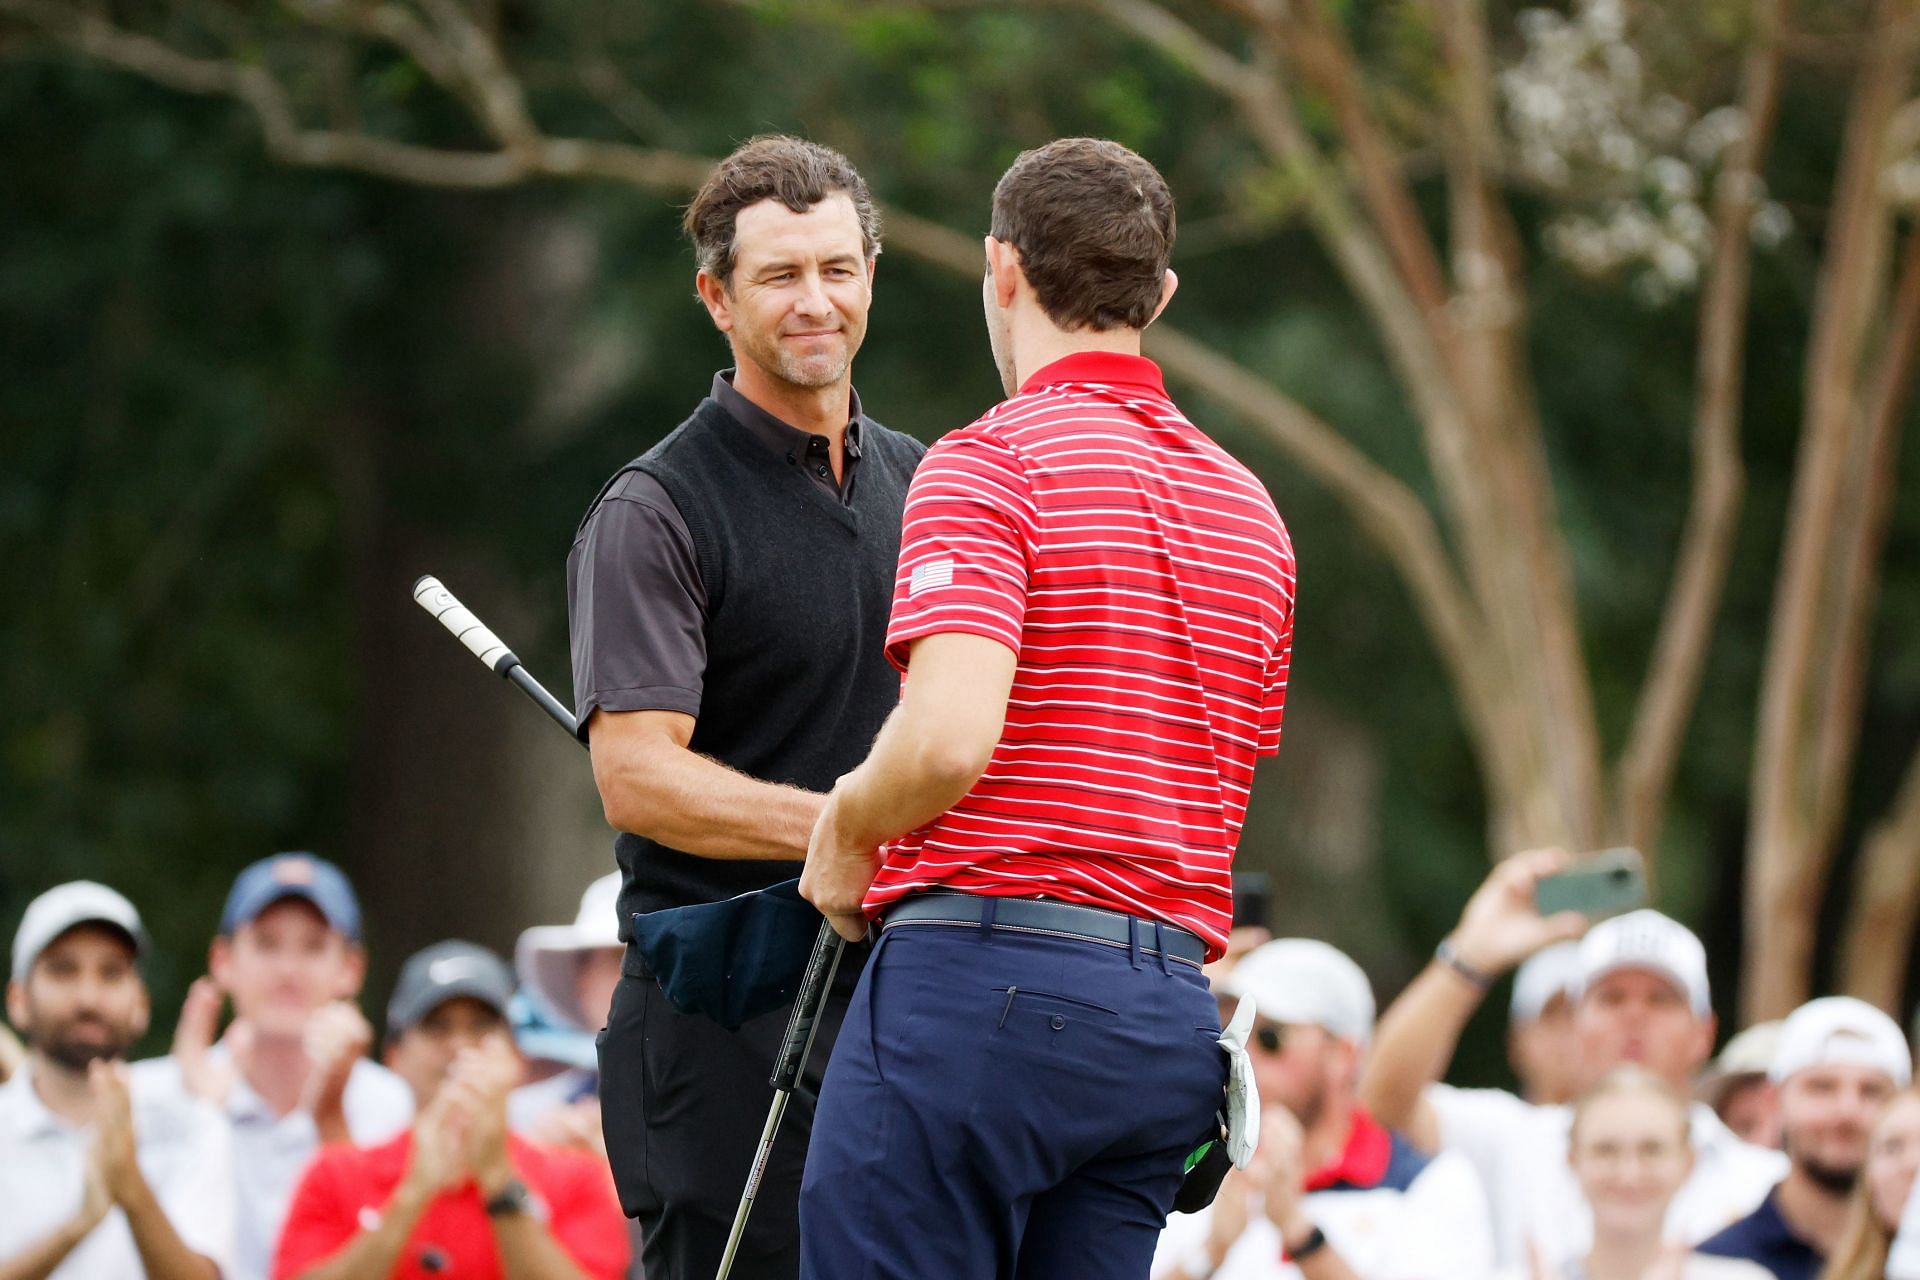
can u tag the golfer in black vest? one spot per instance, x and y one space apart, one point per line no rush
728 595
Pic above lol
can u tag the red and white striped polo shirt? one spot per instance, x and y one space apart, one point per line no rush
1145 580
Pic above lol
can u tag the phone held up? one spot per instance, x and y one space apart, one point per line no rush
1609 883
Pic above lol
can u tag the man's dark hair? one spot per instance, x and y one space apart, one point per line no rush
1093 223
774 166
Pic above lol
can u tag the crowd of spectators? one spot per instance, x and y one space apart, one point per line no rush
1628 1153
269 1142
280 1137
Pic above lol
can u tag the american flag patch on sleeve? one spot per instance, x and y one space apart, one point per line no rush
928 575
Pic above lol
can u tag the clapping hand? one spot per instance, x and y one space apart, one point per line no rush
203 1074
337 1036
114 1150
481 1078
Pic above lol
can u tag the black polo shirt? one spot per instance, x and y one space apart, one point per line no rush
644 649
1764 1238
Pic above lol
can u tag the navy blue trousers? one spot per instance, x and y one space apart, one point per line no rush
1007 1106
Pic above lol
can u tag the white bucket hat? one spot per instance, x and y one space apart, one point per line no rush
547 956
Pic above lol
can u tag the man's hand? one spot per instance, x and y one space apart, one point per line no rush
1232 1206
838 873
483 1077
440 1137
1282 1150
96 1197
202 1074
113 1140
1502 926
337 1036
576 1125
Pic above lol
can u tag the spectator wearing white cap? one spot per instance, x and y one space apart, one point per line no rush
568 973
100 1178
1643 999
1739 1088
1331 1194
1542 1047
1838 1062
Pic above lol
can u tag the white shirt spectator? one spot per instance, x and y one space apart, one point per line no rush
183 1152
530 1103
271 1151
1697 1267
1520 1151
1903 1257
1425 1218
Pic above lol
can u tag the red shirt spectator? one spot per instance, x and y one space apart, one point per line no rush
1133 564
345 1187
458 1194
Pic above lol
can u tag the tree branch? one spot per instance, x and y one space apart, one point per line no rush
1316 44
262 93
1644 776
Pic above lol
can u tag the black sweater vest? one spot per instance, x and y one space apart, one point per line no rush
799 586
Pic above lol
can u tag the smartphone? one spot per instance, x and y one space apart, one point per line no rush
1252 899
1609 883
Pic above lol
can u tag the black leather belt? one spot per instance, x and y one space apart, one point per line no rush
1059 919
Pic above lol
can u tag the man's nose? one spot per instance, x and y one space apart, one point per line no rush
813 297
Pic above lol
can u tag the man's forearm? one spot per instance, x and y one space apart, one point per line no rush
697 805
1414 1043
910 778
163 1254
528 1250
375 1252
39 1259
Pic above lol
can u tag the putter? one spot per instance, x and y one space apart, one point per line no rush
486 646
797 1046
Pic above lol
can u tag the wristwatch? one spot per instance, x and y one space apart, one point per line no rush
1316 1241
514 1196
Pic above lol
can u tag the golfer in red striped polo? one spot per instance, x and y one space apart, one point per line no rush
1094 610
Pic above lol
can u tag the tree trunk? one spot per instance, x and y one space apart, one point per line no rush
1886 904
1792 797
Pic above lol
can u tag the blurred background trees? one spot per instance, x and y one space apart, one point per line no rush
1576 344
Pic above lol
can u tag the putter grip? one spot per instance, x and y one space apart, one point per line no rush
806 1008
467 629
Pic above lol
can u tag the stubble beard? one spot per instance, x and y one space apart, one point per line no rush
1833 1178
811 372
76 1055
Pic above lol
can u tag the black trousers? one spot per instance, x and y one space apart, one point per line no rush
683 1101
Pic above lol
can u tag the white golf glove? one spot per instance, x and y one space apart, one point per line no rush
1243 1096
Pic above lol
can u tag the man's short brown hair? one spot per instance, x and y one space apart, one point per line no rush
774 166
1093 223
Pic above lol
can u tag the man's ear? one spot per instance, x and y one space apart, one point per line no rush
353 971
143 1012
1168 283
17 1004
220 960
1003 264
713 293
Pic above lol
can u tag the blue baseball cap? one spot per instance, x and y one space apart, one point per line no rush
293 875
